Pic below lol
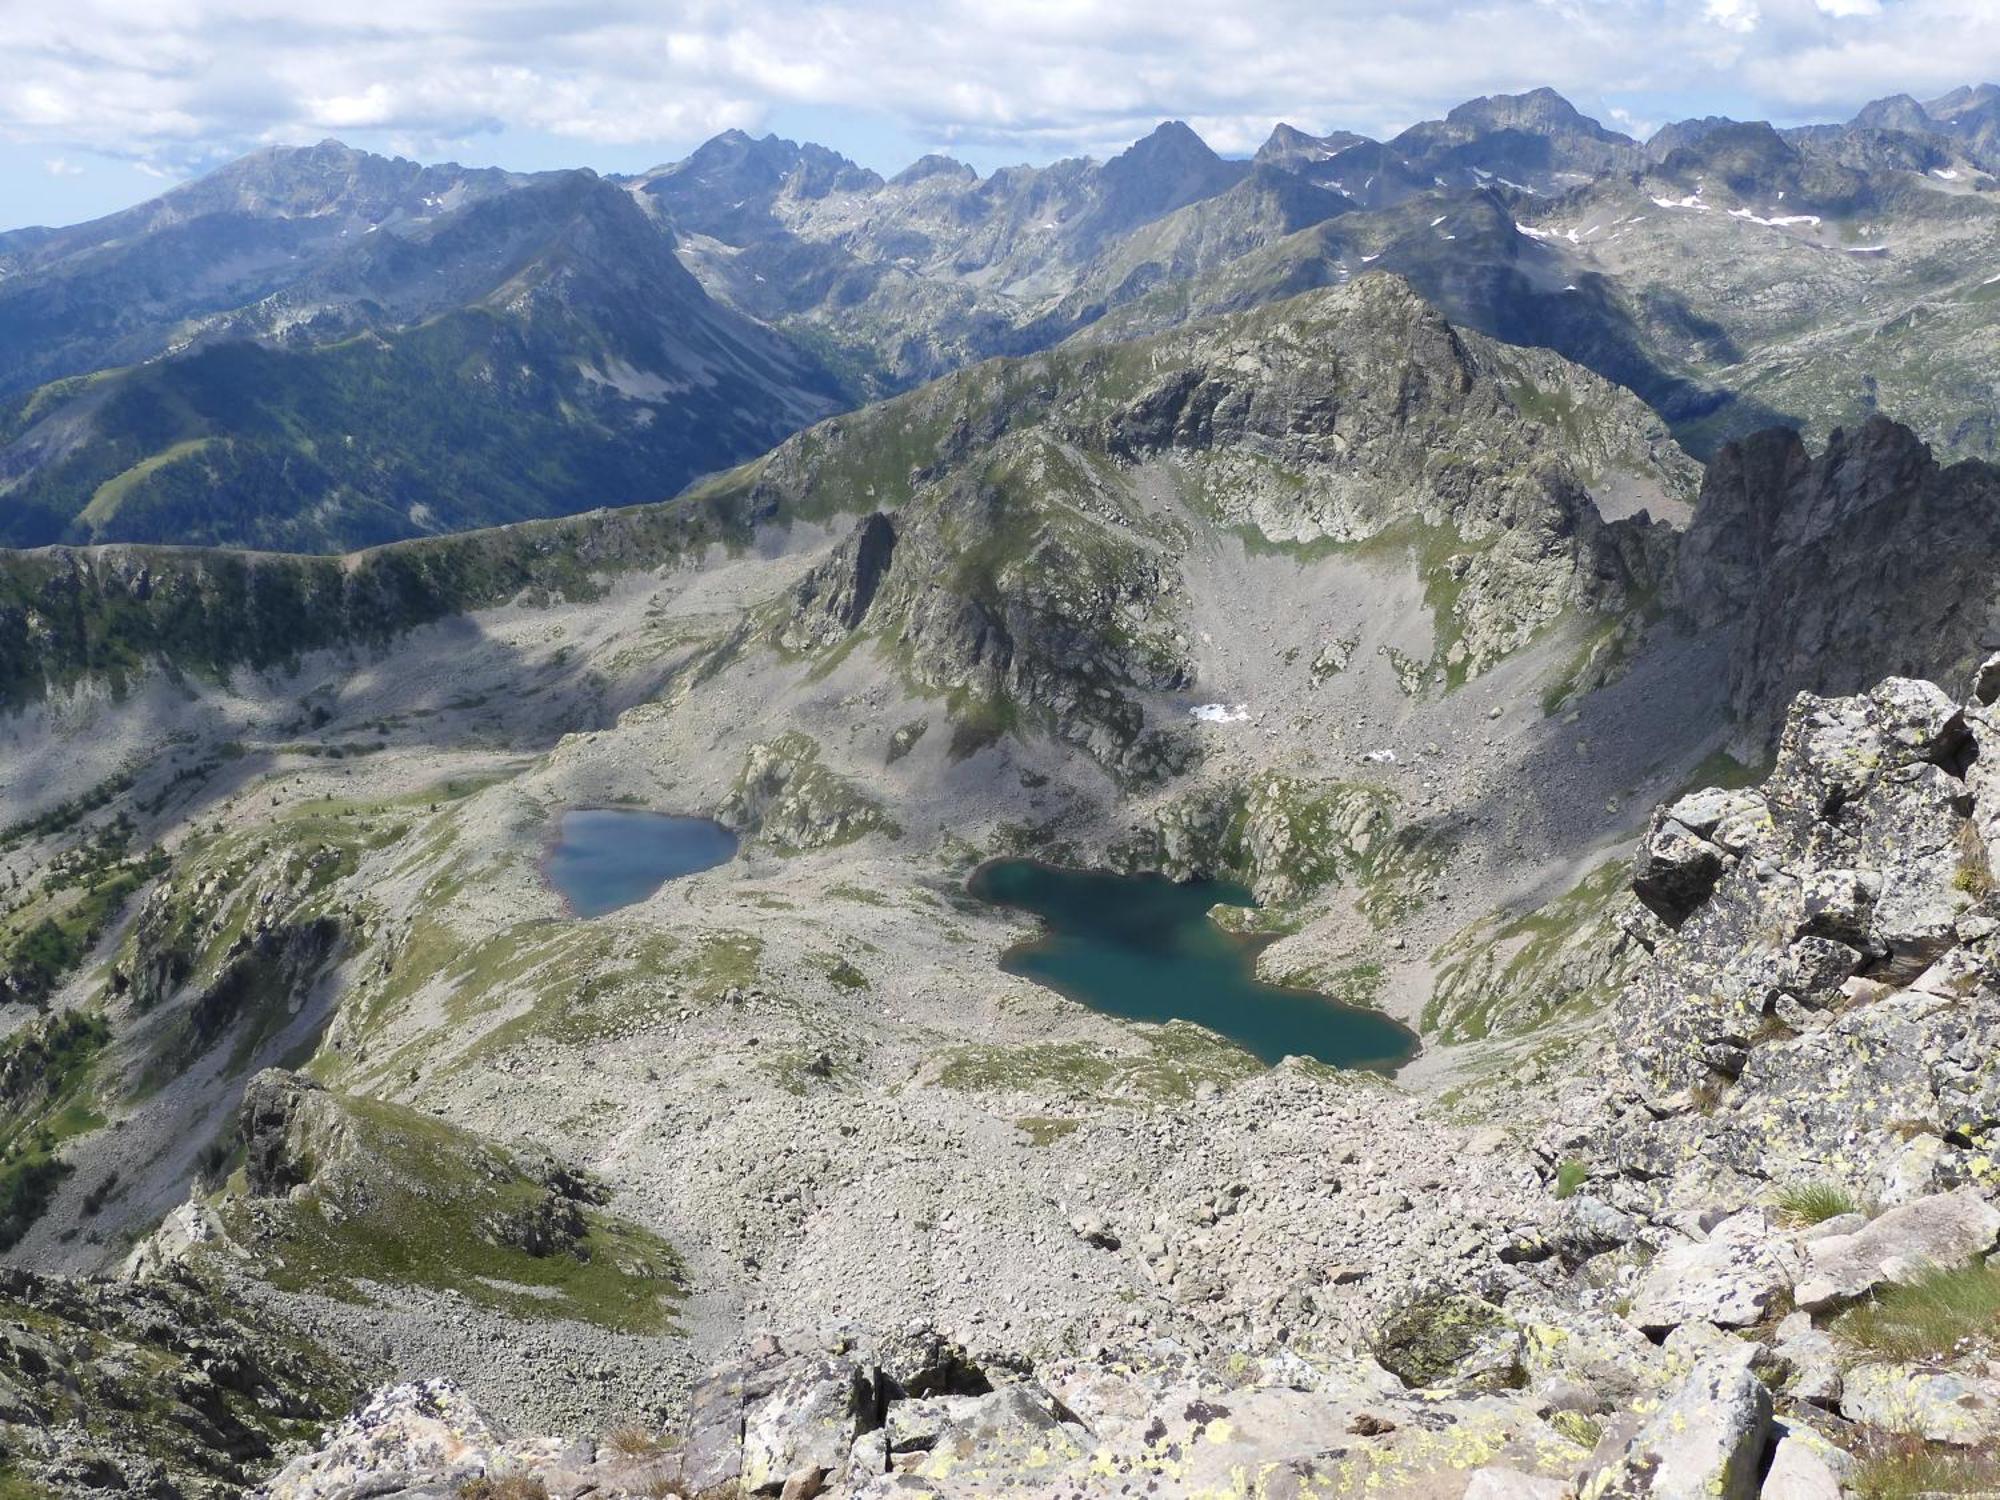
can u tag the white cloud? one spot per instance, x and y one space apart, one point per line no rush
179 83
1734 15
59 166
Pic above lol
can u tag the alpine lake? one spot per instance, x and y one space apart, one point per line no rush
603 858
1143 947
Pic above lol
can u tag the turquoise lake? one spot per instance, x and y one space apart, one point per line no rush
1142 947
603 858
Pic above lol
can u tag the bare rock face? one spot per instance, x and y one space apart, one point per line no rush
1865 558
289 1129
833 599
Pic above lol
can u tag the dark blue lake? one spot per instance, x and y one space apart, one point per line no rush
1142 947
607 857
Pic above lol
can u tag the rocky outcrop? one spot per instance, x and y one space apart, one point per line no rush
788 799
290 1128
1832 961
1835 568
165 1388
832 600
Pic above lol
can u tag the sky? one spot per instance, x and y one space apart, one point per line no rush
106 102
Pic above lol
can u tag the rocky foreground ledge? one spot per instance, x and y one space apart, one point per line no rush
1751 1256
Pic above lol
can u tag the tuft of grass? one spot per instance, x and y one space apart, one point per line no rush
635 1441
1941 1314
1570 1176
1802 1203
1895 1467
1974 875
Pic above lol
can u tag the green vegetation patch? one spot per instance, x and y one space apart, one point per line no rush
1895 1467
1802 1203
45 1082
1942 1314
409 1200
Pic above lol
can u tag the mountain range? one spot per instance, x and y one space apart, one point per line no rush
318 349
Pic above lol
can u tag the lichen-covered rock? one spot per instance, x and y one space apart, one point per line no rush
1941 1406
1811 1360
425 1433
1015 1434
772 1417
1447 1338
1690 844
1732 1279
1705 1443
1833 996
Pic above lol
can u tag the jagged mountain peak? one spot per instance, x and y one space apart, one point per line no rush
1896 112
934 165
1288 145
1679 134
1171 141
1977 96
1540 111
1168 169
768 163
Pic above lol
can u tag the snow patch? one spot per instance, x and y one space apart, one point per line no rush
1380 757
1219 713
1780 222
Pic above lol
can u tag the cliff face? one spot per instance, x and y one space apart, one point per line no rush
1835 568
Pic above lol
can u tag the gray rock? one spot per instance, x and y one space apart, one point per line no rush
1512 1484
759 1422
1017 1428
1589 1226
1705 1442
1946 1229
1940 1406
1812 1362
808 1420
1799 1472
1731 1279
